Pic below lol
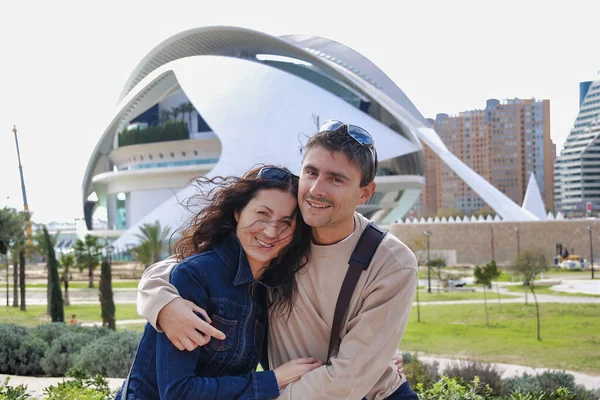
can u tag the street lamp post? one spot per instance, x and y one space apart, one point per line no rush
427 235
591 251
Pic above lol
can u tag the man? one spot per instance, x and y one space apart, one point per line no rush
338 172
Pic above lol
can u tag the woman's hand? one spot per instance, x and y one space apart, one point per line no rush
293 370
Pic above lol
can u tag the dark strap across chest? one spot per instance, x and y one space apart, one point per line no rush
359 261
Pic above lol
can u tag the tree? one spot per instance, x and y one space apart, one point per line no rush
106 295
529 264
152 243
67 261
12 230
417 245
57 310
40 247
483 277
494 273
87 253
439 263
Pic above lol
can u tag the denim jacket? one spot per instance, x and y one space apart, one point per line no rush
221 282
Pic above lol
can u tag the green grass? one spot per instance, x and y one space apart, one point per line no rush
36 315
570 334
424 296
545 289
84 285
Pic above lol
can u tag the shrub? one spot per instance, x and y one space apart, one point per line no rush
109 356
51 331
454 389
488 374
417 371
63 351
548 382
82 387
20 351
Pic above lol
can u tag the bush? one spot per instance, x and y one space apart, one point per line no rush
63 351
488 374
109 356
82 387
417 371
454 389
20 351
51 331
548 382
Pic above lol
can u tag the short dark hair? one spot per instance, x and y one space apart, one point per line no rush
364 157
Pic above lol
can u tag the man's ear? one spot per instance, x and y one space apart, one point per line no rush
366 192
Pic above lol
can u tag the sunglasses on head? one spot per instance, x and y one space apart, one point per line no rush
357 133
275 174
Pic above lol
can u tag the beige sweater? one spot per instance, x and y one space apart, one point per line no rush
377 317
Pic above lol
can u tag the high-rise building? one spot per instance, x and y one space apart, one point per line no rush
577 169
504 143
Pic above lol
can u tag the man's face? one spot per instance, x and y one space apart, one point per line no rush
329 189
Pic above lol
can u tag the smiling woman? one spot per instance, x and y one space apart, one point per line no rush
248 236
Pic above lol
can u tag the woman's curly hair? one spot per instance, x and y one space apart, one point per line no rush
220 198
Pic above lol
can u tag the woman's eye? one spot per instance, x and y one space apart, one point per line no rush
262 212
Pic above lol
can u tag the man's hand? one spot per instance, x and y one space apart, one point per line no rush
399 362
183 327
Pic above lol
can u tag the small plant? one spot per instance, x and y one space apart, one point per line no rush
81 387
8 392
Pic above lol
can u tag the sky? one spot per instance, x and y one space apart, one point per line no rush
63 65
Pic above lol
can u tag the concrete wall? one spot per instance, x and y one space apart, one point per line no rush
473 241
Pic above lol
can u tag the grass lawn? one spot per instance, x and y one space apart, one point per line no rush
84 285
424 296
85 313
570 334
545 289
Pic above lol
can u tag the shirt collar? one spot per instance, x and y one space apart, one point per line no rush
231 252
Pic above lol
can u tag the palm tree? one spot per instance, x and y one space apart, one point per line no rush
87 253
40 247
67 261
12 230
152 243
165 115
175 112
190 109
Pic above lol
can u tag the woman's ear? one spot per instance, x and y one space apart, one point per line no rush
236 215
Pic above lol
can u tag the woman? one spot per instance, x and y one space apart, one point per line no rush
249 236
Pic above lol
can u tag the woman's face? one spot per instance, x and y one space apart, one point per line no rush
266 225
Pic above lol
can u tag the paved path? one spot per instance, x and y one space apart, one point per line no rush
510 370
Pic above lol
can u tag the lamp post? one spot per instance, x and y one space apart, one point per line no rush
109 250
518 241
427 235
591 251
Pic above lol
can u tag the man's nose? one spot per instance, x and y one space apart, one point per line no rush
318 188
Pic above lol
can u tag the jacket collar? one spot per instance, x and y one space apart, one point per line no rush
231 252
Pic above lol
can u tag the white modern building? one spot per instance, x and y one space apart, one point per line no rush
218 100
577 169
